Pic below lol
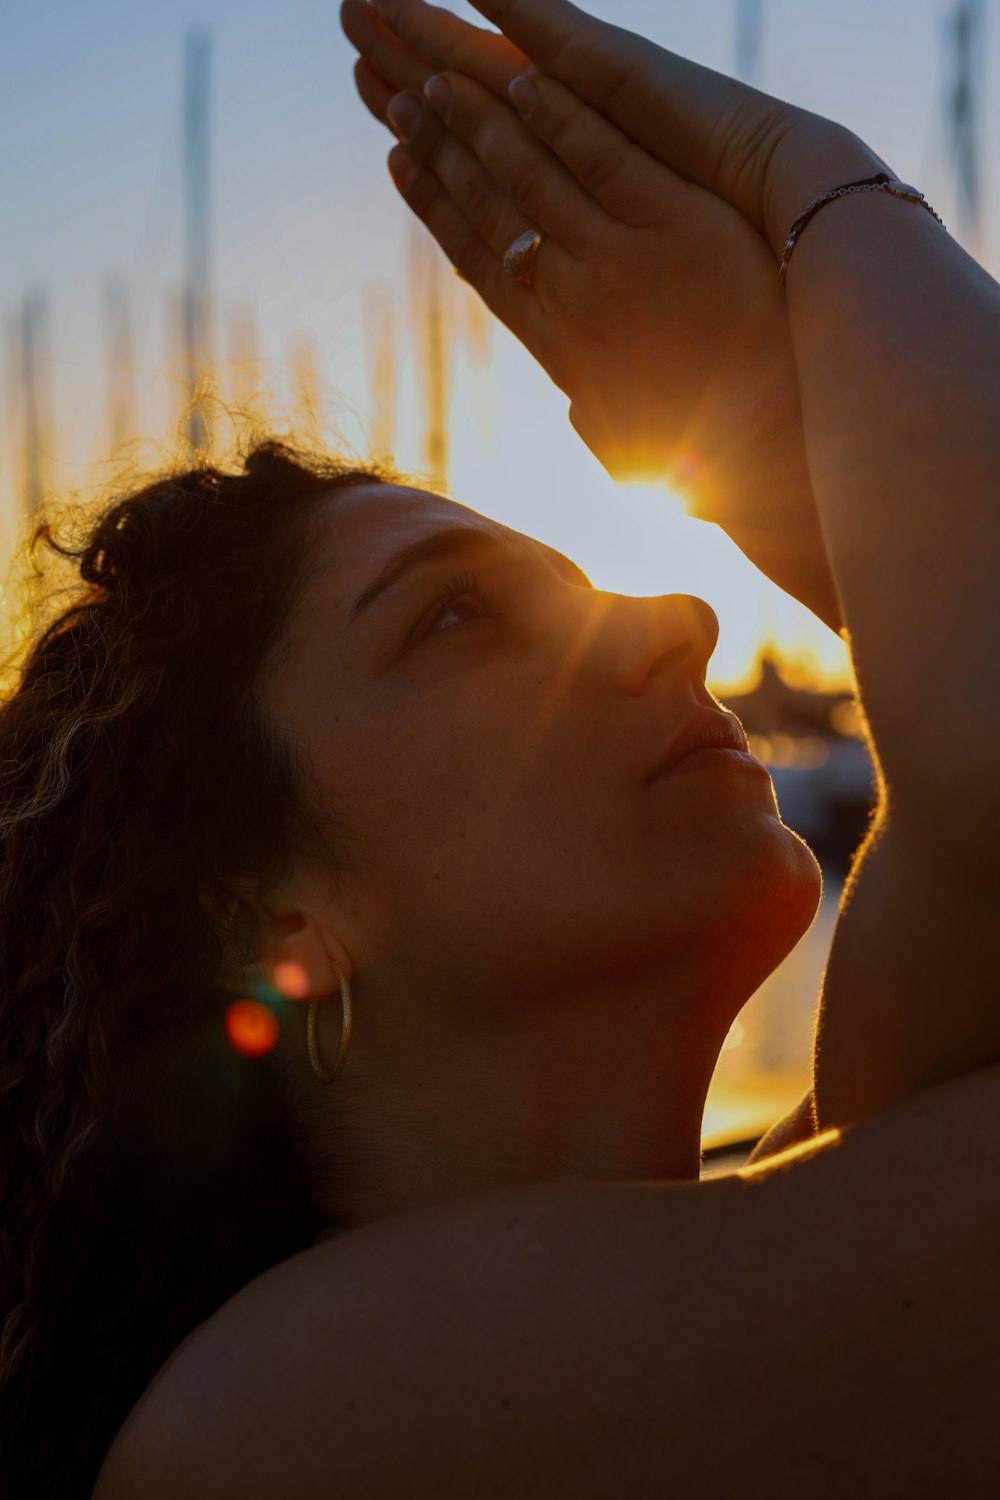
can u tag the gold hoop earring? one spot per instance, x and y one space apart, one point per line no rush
320 1073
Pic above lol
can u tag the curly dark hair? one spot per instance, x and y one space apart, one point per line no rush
146 1170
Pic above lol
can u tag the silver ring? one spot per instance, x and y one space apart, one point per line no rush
519 259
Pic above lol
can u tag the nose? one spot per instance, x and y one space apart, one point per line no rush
673 633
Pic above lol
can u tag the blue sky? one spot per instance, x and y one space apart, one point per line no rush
305 225
90 97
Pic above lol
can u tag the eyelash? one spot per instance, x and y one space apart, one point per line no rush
465 586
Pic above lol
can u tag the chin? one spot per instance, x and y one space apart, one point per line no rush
758 896
776 900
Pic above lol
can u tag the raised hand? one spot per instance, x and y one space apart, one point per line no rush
689 373
764 157
424 40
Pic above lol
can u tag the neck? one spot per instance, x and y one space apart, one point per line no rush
607 1086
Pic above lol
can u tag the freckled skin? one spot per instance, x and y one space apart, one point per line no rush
508 871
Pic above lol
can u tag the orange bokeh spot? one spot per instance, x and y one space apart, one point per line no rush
291 980
687 466
251 1028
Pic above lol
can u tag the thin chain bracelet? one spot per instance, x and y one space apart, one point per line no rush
883 183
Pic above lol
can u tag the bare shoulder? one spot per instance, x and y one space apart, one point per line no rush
610 1339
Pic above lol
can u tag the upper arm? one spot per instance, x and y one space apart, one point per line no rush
910 997
767 1335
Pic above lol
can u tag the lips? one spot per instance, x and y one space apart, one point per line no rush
710 729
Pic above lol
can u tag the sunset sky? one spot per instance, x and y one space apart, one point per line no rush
317 273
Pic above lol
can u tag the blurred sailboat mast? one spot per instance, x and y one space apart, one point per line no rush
197 158
243 362
383 380
307 405
436 458
427 311
965 51
33 342
749 40
118 326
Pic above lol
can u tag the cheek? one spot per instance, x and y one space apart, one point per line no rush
480 816
424 780
488 843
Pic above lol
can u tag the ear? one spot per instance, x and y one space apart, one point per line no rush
302 959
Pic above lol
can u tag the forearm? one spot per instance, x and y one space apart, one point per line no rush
897 341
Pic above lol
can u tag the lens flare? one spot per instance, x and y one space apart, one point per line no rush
291 980
251 1028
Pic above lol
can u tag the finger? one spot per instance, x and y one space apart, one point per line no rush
486 207
683 114
530 184
382 52
442 41
375 93
473 259
406 114
542 29
623 179
385 104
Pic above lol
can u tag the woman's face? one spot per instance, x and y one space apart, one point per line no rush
482 726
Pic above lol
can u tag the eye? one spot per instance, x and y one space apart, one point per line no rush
462 600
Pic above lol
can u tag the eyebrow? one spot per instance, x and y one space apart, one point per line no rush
455 541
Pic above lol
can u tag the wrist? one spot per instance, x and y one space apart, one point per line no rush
814 157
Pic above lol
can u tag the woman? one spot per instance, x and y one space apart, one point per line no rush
477 803
807 412
497 901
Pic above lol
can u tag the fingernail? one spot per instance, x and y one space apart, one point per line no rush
524 94
439 95
405 114
402 169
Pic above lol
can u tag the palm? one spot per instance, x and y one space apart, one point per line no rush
686 380
689 368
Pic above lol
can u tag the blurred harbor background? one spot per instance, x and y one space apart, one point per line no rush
196 221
